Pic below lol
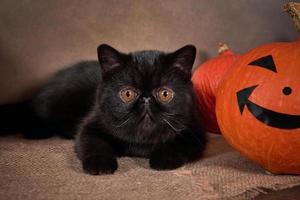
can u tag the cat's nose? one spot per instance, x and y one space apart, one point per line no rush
147 99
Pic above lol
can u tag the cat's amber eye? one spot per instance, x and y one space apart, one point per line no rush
165 94
128 94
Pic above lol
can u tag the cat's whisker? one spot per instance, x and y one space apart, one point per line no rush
123 123
169 114
177 130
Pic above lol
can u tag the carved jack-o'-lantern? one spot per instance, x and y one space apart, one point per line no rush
258 106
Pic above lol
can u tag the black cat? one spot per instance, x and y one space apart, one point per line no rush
138 104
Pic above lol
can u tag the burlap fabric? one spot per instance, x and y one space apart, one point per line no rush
49 169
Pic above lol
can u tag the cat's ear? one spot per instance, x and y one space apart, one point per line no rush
183 59
109 58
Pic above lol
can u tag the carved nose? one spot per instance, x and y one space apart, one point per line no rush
146 100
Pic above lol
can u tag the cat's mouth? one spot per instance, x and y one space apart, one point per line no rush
146 117
146 121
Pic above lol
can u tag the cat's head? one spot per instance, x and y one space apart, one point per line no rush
146 96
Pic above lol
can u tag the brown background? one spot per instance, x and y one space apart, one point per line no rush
39 37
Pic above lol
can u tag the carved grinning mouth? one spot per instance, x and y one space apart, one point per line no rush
266 116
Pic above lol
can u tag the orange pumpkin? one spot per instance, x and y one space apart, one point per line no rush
206 79
258 106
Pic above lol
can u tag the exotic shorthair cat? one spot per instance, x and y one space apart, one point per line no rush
138 104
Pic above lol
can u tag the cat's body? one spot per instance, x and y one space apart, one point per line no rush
67 98
140 104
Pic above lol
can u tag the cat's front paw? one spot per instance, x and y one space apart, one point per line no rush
165 161
96 165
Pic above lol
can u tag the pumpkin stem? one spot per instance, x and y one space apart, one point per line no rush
222 47
293 9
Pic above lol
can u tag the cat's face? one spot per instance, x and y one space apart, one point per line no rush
147 96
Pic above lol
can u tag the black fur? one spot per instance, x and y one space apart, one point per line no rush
84 99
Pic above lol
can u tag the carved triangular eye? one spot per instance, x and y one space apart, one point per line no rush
266 62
